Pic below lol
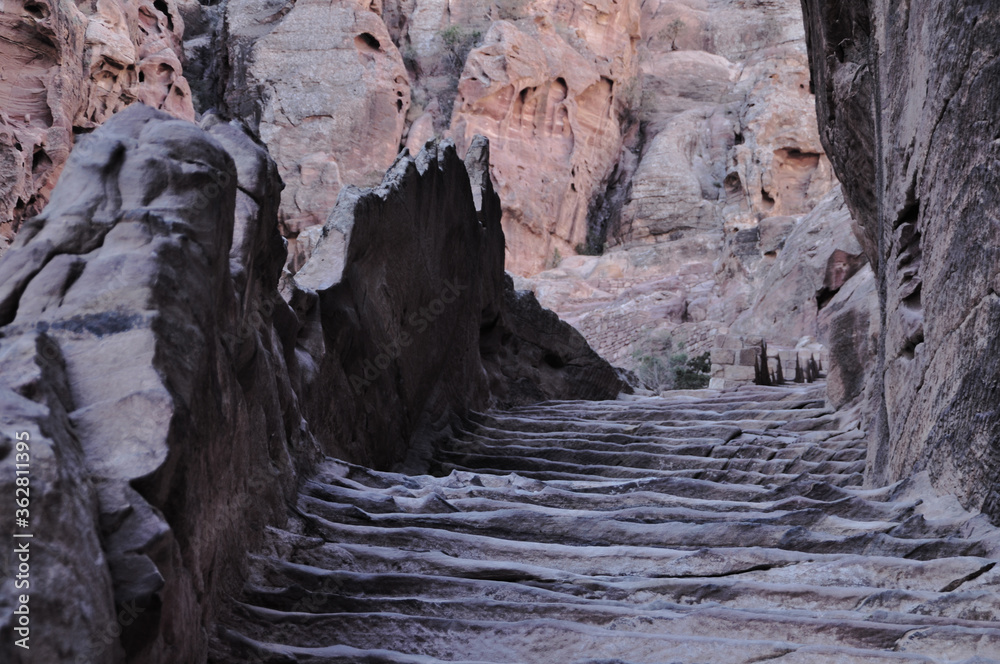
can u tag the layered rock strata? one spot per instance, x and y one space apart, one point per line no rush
175 397
67 67
901 93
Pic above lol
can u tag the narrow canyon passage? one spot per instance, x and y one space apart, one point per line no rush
710 526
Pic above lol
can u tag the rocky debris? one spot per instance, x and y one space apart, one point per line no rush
327 89
901 110
176 397
723 526
67 68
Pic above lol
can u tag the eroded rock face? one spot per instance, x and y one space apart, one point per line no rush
67 68
174 397
176 384
66 567
849 325
417 264
548 81
328 90
902 110
727 164
818 257
549 91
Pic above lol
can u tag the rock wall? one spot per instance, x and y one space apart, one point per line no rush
902 98
550 90
68 66
327 89
173 398
179 408
547 81
722 222
407 285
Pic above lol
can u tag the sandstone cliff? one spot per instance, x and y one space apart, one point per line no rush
548 81
901 96
173 398
723 193
67 67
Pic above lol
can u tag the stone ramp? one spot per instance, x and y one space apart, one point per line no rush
702 527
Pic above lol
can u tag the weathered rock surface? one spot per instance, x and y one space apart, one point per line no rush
818 257
709 526
327 89
417 263
901 108
176 380
67 67
548 81
728 164
849 325
176 397
550 91
65 567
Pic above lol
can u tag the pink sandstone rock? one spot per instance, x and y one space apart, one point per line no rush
67 67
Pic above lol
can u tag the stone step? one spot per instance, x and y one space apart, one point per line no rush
827 535
550 470
645 638
497 456
705 526
474 497
480 557
310 588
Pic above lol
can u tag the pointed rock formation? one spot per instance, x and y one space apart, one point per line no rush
177 398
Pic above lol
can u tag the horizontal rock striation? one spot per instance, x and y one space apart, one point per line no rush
901 93
175 398
700 527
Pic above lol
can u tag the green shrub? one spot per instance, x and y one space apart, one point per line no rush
554 261
459 41
661 369
510 10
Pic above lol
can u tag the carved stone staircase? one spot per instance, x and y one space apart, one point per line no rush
711 527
